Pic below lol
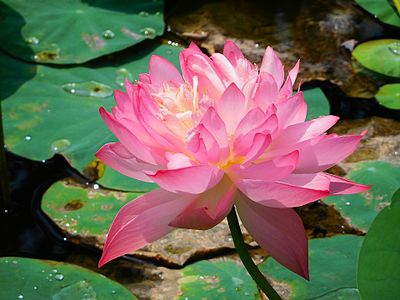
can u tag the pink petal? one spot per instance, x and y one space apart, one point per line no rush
324 152
216 126
225 69
142 221
209 208
204 145
129 140
161 70
260 143
117 157
273 65
291 111
271 170
231 107
342 186
232 52
279 231
293 72
266 91
292 191
193 180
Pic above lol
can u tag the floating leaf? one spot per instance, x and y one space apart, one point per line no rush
219 280
57 111
382 56
361 209
317 103
378 265
389 95
382 10
26 278
76 31
332 264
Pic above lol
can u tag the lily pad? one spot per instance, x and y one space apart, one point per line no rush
382 56
361 209
85 214
26 278
382 10
76 31
379 261
57 110
333 268
217 280
389 95
317 103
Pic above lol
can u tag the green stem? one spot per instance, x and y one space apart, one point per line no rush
251 267
5 200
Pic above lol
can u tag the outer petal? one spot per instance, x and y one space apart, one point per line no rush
273 65
231 107
117 157
342 186
279 231
142 221
291 111
161 70
194 180
322 153
232 52
293 191
266 92
209 208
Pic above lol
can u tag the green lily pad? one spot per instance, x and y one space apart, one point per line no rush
382 56
76 31
57 111
332 263
378 265
389 95
361 209
84 212
317 103
217 280
26 278
382 10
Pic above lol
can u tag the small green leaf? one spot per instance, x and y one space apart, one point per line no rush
87 213
26 278
379 262
217 280
361 209
332 263
317 103
382 10
382 56
76 31
389 95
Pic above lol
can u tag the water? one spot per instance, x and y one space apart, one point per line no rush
33 40
144 14
60 145
48 53
88 89
395 48
27 138
121 75
148 31
108 34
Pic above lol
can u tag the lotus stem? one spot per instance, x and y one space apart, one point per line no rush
246 259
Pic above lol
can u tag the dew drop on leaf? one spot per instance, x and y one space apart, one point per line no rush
59 145
148 31
88 89
108 34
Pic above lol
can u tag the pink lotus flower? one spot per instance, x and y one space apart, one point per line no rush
223 133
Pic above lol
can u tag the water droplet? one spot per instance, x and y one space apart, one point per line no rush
108 34
59 276
35 287
27 138
49 53
65 239
395 48
144 14
122 75
257 45
32 40
88 89
173 43
169 52
348 203
20 296
59 145
201 277
113 292
158 13
149 32
15 262
96 186
6 212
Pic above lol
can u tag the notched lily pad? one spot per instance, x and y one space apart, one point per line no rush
26 278
76 31
381 9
